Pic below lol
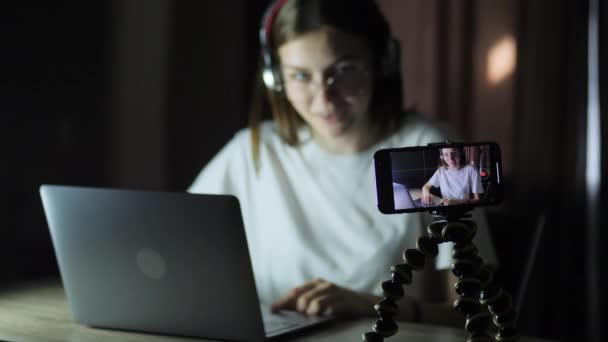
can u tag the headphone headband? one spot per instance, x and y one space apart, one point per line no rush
271 75
270 14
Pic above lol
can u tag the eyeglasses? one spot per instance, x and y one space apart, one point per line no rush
451 154
345 78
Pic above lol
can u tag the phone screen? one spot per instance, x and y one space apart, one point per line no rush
424 178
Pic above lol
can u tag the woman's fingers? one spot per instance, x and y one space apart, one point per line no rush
289 301
321 305
321 288
451 201
320 297
334 301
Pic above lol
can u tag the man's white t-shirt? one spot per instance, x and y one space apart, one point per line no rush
312 214
459 184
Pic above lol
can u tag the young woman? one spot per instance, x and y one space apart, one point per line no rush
305 178
459 182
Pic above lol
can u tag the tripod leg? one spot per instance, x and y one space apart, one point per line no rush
401 274
500 305
476 284
466 268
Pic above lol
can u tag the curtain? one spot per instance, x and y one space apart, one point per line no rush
602 330
538 116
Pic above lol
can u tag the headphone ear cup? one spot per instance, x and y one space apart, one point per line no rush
270 74
271 79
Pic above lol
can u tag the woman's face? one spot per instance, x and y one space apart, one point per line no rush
451 157
328 80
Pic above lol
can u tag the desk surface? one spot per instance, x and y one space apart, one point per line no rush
39 312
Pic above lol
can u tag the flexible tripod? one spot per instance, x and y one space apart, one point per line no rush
475 285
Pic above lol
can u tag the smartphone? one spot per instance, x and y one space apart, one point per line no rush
428 178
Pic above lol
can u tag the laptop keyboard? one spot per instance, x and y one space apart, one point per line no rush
274 322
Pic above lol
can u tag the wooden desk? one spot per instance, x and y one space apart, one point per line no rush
39 312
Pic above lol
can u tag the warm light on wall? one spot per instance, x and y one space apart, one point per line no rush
502 59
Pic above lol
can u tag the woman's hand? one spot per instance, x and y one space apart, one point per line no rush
453 201
320 297
426 195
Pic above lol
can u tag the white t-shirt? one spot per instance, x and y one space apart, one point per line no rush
459 184
312 214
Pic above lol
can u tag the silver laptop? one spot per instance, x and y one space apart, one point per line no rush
403 198
158 262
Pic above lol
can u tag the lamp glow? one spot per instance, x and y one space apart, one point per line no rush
501 60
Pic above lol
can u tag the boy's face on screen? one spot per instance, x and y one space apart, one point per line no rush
328 81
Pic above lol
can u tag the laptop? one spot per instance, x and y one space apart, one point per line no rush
160 262
402 197
418 203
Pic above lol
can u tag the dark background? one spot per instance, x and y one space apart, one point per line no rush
414 168
409 169
138 94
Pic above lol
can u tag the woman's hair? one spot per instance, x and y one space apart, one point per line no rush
361 18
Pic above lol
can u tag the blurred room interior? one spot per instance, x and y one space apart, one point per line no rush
135 94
